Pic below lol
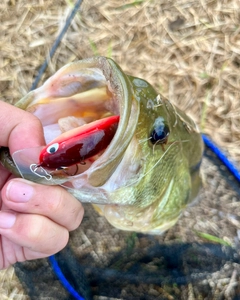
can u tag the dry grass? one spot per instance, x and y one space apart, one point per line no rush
10 288
189 50
194 60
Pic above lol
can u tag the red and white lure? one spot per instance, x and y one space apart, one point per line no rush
77 145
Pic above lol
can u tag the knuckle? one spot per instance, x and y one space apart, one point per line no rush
32 229
65 209
64 239
56 241
41 235
56 201
34 120
76 218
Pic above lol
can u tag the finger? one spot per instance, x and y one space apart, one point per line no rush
19 129
4 175
53 202
40 236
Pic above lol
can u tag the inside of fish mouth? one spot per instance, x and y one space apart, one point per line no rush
92 101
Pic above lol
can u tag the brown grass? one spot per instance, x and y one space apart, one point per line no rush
189 50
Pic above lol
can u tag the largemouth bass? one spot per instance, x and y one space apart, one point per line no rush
145 174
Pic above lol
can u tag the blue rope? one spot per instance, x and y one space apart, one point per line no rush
231 167
57 270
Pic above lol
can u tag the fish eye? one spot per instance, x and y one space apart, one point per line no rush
160 134
52 148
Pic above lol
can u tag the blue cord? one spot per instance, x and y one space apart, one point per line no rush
52 259
213 148
57 270
232 168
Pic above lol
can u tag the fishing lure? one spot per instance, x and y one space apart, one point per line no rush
77 145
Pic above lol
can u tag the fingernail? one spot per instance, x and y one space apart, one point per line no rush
19 191
7 220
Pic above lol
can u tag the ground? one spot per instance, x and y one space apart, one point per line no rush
188 50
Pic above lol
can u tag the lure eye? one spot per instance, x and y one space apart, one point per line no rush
160 132
52 148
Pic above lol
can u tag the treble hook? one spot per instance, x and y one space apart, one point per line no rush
64 170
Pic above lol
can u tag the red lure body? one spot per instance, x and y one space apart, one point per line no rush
79 144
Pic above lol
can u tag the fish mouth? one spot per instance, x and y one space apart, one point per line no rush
83 92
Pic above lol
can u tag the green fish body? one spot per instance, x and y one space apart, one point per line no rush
149 172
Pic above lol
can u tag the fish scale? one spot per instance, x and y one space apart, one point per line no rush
150 169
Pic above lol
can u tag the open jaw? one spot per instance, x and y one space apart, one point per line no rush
95 95
80 116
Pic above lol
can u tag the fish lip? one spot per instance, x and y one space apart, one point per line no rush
129 110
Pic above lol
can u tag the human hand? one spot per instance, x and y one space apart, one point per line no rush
35 220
